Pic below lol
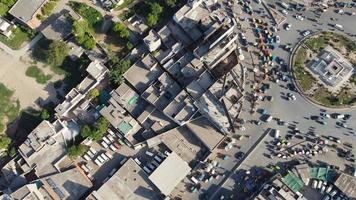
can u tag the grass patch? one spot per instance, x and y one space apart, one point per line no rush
124 5
35 72
303 77
325 97
9 108
19 36
89 13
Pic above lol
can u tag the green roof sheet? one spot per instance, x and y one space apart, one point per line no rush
132 100
124 127
321 173
293 182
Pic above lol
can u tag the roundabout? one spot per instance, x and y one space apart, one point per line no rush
322 66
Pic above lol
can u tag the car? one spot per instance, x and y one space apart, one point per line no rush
299 17
278 39
347 117
325 115
291 96
306 33
273 29
284 12
340 11
239 155
287 26
341 124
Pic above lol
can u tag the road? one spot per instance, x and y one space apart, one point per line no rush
295 112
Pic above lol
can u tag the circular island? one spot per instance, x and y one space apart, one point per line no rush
323 67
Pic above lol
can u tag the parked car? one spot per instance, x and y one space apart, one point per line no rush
287 26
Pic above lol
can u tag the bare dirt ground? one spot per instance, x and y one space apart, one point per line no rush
26 89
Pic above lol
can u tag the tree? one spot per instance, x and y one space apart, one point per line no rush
3 9
4 142
85 131
152 20
57 52
155 12
84 34
102 125
93 93
121 30
117 72
97 135
171 3
129 45
76 151
45 114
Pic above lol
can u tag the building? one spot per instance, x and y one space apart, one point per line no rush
25 12
96 73
68 185
129 182
152 41
347 185
331 68
163 178
6 27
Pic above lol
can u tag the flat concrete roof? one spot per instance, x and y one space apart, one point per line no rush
346 184
206 132
25 9
129 182
163 177
69 185
183 142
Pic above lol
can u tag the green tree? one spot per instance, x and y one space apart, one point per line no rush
155 12
57 52
156 8
12 152
97 135
3 9
85 131
84 34
152 20
45 114
48 8
117 72
93 93
121 30
171 3
4 142
76 151
129 45
102 125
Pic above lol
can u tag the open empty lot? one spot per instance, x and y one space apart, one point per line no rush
26 90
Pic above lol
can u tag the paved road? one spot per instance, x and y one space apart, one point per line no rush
297 111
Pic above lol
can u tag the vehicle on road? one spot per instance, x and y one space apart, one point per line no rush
341 124
306 33
299 17
291 96
325 115
284 12
287 26
338 26
239 155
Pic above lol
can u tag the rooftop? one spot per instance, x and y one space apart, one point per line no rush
26 9
346 184
163 177
129 182
206 132
69 185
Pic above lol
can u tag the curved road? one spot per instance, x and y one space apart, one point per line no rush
295 112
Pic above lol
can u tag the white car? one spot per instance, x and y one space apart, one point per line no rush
299 17
278 39
287 27
341 11
284 12
306 33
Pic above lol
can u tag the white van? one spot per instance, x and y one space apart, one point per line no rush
103 143
149 153
338 26
106 140
315 183
194 180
